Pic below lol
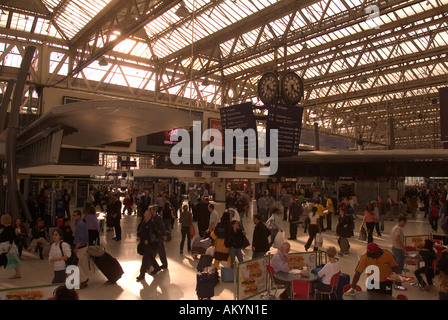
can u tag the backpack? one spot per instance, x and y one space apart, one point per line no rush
72 260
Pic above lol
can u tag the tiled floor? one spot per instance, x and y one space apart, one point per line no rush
178 282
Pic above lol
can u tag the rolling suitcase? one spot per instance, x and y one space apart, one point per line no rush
205 285
200 246
109 266
204 262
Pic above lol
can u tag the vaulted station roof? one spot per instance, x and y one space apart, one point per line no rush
371 69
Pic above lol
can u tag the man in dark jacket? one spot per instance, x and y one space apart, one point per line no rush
144 231
158 228
202 215
260 242
116 213
295 211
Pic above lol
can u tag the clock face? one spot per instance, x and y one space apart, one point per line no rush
291 88
268 87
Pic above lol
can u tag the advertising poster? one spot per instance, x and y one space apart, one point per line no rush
416 241
28 293
252 277
302 259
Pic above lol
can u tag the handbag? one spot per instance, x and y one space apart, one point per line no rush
72 260
140 249
279 239
221 256
362 234
245 243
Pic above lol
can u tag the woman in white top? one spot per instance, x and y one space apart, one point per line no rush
327 272
57 256
313 227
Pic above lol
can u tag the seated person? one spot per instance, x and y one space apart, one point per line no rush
280 262
428 255
327 272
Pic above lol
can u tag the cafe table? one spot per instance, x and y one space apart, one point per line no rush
285 278
368 295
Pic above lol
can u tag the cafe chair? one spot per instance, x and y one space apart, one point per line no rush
271 284
439 248
410 261
402 297
301 290
438 242
334 287
349 286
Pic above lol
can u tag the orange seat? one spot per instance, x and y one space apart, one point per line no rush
349 286
301 289
437 242
334 286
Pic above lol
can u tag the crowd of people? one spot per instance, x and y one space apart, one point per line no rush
158 214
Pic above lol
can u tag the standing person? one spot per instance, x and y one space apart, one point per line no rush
146 239
389 208
382 210
185 219
295 211
270 204
159 201
349 212
66 201
110 213
159 231
285 203
39 237
274 225
260 239
192 199
280 263
313 227
8 246
145 201
127 203
263 207
214 218
80 242
433 214
168 215
234 242
353 202
343 231
370 219
202 215
59 252
116 213
21 233
428 255
93 227
219 235
398 248
330 208
68 232
385 262
320 213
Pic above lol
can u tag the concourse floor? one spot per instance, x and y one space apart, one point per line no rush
178 282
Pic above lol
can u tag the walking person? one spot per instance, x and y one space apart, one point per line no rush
81 241
274 225
159 231
295 211
285 203
185 219
66 201
370 219
116 214
433 214
313 228
168 216
59 252
343 231
150 245
8 246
